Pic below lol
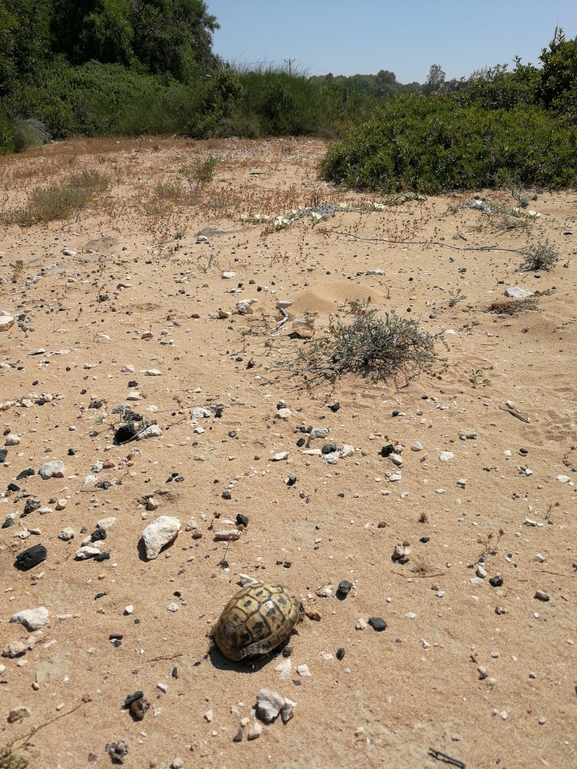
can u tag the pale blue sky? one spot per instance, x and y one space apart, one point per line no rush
347 37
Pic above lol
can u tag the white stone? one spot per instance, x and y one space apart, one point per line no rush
12 440
461 483
67 534
515 292
159 533
303 670
198 412
347 450
481 572
32 619
173 607
228 274
268 704
445 456
106 523
563 478
254 731
360 624
129 609
280 456
287 710
151 372
85 552
6 322
227 535
151 503
284 669
416 446
152 431
392 477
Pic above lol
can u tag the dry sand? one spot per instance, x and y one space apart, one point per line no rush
396 693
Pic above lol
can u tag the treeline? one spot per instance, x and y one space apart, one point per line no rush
498 128
129 67
106 67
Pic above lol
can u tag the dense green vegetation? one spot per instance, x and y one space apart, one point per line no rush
128 67
497 128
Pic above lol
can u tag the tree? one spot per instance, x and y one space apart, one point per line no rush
24 39
435 79
171 37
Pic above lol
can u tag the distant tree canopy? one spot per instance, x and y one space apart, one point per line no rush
383 85
172 37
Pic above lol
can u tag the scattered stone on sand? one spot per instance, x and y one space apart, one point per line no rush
17 714
516 292
53 469
377 623
268 704
117 751
541 595
160 533
12 439
32 619
254 731
6 322
14 649
31 557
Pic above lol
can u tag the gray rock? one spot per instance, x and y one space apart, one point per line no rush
159 533
32 619
287 710
541 595
12 440
416 446
53 469
14 649
254 731
152 431
445 456
17 714
266 711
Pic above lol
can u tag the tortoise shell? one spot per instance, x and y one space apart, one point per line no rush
256 620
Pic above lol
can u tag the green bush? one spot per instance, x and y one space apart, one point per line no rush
431 144
7 144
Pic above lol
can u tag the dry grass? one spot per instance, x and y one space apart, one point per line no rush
60 201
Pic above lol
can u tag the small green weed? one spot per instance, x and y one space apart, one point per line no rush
201 173
541 256
456 296
477 378
9 760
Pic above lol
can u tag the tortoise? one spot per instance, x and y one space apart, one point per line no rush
256 620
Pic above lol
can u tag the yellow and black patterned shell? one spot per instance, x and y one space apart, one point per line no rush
256 620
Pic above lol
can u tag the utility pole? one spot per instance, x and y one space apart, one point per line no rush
289 62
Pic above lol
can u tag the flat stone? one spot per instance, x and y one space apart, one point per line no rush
541 595
563 478
32 619
303 670
106 523
53 469
151 372
360 624
159 533
280 456
6 322
516 292
445 456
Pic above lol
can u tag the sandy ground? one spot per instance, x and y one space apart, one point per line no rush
486 675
